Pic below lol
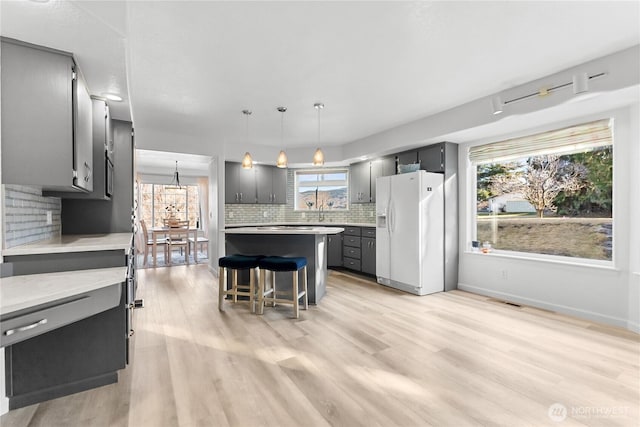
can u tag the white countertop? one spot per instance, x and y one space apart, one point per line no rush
20 292
309 224
74 243
276 229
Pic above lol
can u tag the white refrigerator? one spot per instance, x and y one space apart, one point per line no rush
410 232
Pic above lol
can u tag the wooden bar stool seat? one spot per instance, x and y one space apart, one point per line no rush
236 263
282 264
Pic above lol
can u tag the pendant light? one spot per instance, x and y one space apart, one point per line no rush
318 156
247 161
282 161
175 182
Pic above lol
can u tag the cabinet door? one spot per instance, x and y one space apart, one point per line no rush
334 250
368 255
246 180
381 167
360 178
432 158
408 157
37 113
230 185
264 183
279 185
83 135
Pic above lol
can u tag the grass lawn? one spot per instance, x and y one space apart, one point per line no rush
573 237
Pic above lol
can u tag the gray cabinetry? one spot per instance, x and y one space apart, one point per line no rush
351 248
86 352
334 250
271 184
407 157
103 155
115 214
46 119
368 251
362 178
432 158
240 184
360 183
385 166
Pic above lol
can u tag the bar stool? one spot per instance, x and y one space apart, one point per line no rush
235 263
278 264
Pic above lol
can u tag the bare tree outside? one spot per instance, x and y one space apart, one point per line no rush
540 181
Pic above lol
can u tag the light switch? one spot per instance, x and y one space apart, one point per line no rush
49 217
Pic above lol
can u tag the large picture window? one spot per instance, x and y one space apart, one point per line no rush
326 189
161 201
549 193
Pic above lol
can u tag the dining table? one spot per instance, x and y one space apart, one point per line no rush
156 232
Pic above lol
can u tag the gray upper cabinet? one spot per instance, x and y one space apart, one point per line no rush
271 184
103 155
362 178
360 182
113 215
83 135
240 184
407 157
385 166
46 119
432 158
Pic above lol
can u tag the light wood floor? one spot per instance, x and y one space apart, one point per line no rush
366 356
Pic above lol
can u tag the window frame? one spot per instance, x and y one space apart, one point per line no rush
153 200
344 170
472 197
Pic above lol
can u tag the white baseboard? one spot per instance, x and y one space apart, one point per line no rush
571 311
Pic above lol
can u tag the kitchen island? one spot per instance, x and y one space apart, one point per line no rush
307 241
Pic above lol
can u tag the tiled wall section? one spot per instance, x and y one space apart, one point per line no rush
25 215
243 214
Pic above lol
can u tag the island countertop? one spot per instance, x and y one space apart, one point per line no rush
73 243
284 229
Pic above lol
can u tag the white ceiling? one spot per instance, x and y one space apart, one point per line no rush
189 68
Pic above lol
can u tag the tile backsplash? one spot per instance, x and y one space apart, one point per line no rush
264 213
244 214
25 215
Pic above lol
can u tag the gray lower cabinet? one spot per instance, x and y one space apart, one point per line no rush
351 248
46 119
240 184
359 249
368 255
84 354
271 184
334 250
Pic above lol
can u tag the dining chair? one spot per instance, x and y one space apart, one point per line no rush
148 242
177 237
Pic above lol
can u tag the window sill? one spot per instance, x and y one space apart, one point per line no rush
578 262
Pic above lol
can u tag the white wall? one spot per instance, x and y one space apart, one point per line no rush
634 227
595 292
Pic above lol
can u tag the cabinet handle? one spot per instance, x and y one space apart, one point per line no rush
240 196
88 168
26 327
